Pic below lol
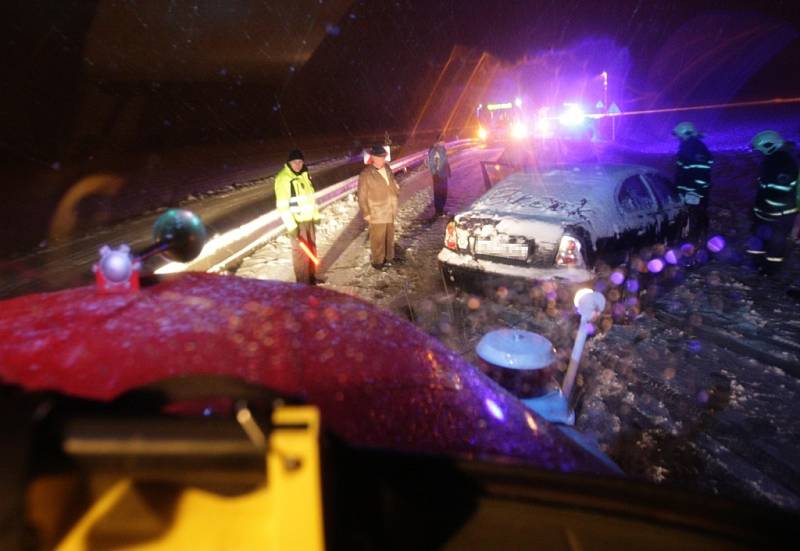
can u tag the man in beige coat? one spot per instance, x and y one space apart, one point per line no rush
378 198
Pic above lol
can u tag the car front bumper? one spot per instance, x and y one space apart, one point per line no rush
458 267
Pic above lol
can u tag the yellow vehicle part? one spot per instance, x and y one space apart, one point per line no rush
286 513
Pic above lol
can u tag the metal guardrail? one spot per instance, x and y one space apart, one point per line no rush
224 250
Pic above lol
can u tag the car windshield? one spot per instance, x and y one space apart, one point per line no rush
441 184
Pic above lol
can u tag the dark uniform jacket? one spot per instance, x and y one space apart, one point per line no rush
693 174
777 186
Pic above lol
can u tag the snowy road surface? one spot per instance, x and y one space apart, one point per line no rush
691 377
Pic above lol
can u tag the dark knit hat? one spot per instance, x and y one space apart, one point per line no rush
377 151
295 154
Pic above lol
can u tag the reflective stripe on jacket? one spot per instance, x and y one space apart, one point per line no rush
294 197
693 174
777 186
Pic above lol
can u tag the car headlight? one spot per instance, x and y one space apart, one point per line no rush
450 240
569 253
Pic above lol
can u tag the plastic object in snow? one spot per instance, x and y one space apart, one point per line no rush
516 349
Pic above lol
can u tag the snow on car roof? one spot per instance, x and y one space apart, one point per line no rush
582 193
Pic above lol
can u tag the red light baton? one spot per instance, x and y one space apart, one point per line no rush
309 253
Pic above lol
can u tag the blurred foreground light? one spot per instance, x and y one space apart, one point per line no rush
716 244
655 266
617 278
573 116
494 409
482 133
671 257
518 102
531 422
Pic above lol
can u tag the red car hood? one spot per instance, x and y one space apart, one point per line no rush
378 381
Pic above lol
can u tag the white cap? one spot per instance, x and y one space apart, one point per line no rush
516 349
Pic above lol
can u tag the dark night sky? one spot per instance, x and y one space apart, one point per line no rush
146 75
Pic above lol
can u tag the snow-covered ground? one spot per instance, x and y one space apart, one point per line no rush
690 377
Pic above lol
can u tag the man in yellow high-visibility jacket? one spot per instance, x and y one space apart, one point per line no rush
294 197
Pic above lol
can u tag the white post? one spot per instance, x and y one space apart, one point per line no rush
589 303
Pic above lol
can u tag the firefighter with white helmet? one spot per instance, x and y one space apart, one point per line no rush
776 202
693 176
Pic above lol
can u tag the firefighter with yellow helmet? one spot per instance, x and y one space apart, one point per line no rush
294 196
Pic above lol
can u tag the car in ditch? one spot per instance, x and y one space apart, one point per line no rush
560 222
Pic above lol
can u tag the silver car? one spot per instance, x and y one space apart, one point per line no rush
558 223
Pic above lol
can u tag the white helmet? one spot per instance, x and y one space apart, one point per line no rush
685 130
767 142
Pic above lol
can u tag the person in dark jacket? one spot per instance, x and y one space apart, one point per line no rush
440 171
693 176
776 202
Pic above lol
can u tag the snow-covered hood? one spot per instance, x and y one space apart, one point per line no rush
540 204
